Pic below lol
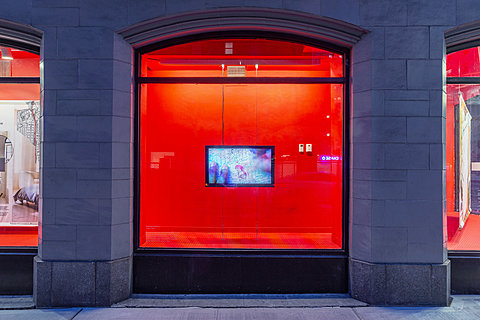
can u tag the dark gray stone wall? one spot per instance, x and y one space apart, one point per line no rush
397 120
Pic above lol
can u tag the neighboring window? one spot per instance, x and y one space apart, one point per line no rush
19 147
222 127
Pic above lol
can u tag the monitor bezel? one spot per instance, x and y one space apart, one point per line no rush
232 185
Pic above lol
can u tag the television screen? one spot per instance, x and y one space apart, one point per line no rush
239 166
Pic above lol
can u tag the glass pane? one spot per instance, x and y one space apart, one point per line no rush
18 63
302 209
463 167
19 164
241 58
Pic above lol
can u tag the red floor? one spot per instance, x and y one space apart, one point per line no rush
240 240
466 239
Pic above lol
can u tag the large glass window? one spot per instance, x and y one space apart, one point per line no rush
241 146
19 147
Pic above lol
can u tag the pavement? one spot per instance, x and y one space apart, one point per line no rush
301 307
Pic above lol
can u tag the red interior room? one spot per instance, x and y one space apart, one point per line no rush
19 168
462 64
302 209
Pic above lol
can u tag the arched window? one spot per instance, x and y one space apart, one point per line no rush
240 145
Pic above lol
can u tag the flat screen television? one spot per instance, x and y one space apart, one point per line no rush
239 166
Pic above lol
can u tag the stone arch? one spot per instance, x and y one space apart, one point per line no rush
20 36
243 19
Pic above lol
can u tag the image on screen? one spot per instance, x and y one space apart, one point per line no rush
239 166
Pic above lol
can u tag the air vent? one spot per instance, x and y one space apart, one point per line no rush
235 71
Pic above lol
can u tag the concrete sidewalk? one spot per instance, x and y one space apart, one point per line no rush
462 307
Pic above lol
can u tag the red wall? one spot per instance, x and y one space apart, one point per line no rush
178 120
303 209
24 64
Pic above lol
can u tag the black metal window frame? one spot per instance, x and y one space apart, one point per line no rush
139 80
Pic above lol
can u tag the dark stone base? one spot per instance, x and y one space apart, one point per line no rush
465 274
81 283
237 273
16 273
400 284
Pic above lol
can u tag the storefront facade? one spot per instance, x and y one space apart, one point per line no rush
239 147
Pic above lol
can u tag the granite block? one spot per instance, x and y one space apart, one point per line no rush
73 284
94 189
382 190
42 281
368 155
407 108
121 129
122 244
368 103
424 129
47 207
407 156
59 128
95 74
437 41
348 11
408 284
122 210
122 104
424 74
407 42
407 95
58 232
47 154
142 10
122 76
361 242
19 11
77 155
57 182
93 242
76 211
78 107
95 128
389 244
389 129
362 76
57 250
383 13
424 184
426 12
112 14
84 43
389 74
362 209
437 161
55 16
467 11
